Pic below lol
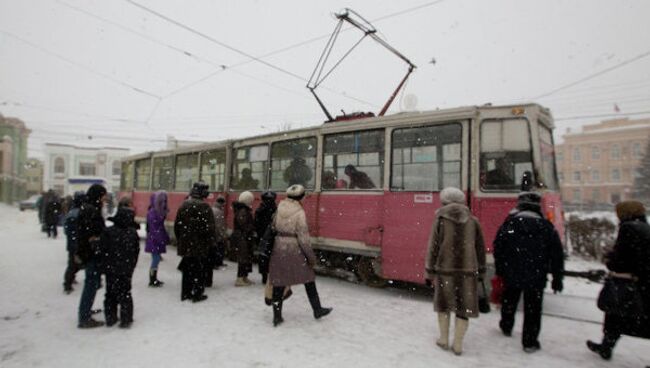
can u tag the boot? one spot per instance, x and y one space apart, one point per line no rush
90 323
153 278
249 282
241 282
603 349
314 300
443 326
277 313
459 333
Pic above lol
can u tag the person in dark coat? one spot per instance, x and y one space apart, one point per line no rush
90 227
455 261
526 248
243 238
221 233
263 218
194 230
71 230
157 237
52 214
630 259
292 259
358 179
119 246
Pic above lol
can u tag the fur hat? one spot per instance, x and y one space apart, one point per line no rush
296 191
629 210
530 198
269 196
200 190
246 198
452 195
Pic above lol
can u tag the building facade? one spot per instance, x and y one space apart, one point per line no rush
598 165
13 156
34 176
66 167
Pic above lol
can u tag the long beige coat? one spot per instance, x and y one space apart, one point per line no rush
455 260
292 257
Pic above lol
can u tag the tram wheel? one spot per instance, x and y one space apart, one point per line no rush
366 274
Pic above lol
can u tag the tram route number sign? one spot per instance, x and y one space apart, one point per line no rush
423 198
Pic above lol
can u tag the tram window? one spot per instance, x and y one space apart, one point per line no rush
187 171
426 158
163 173
546 177
505 154
142 174
250 168
293 162
213 169
353 161
126 181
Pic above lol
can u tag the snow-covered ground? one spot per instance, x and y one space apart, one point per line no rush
368 327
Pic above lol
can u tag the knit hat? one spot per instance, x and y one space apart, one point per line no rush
246 198
629 210
200 190
296 191
452 195
532 198
269 196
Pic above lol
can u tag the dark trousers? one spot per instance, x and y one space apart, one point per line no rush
91 284
219 254
613 327
118 294
70 271
51 231
312 295
243 269
193 282
533 299
213 260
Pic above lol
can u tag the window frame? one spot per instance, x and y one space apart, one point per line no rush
270 162
175 169
136 174
234 161
205 153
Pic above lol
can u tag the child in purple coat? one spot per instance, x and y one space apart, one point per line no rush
157 237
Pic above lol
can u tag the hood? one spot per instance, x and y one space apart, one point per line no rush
160 203
288 208
458 213
95 193
78 199
124 217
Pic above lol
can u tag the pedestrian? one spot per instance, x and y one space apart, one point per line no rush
40 206
292 260
455 263
90 227
243 238
195 234
217 253
119 248
52 214
526 248
71 230
157 236
125 202
629 260
263 217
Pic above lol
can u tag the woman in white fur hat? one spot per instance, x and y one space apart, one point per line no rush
244 237
293 259
455 261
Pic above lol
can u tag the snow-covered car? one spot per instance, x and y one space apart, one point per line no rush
29 203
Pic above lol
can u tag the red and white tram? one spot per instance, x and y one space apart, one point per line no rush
373 183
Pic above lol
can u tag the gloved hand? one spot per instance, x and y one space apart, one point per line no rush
557 285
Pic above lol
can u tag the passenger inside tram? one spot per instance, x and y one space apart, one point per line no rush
358 179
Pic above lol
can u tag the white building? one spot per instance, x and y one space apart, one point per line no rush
64 165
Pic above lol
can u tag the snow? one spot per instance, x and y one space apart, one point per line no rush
368 328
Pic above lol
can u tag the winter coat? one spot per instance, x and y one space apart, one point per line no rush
243 239
292 258
264 216
157 237
53 210
71 229
119 245
456 260
221 233
90 224
526 248
194 228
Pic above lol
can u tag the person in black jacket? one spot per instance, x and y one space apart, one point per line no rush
526 248
119 248
90 227
263 218
52 214
71 229
630 259
195 234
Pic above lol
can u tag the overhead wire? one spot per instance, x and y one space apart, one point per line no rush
564 118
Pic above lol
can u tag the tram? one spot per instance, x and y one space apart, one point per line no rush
373 183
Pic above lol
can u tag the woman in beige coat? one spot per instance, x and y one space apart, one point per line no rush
455 261
293 259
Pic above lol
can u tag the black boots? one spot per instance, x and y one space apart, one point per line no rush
603 349
277 313
153 279
314 300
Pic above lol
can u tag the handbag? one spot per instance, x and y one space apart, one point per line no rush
620 296
483 302
497 289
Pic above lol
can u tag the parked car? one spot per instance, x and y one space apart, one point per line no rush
29 203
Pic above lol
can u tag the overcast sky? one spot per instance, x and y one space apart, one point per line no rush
113 73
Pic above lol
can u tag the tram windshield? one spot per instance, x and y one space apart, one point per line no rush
506 154
547 177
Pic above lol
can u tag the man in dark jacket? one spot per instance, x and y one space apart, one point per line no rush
90 227
52 213
526 248
119 247
263 217
195 234
71 229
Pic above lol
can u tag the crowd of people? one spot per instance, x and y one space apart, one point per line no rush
526 249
